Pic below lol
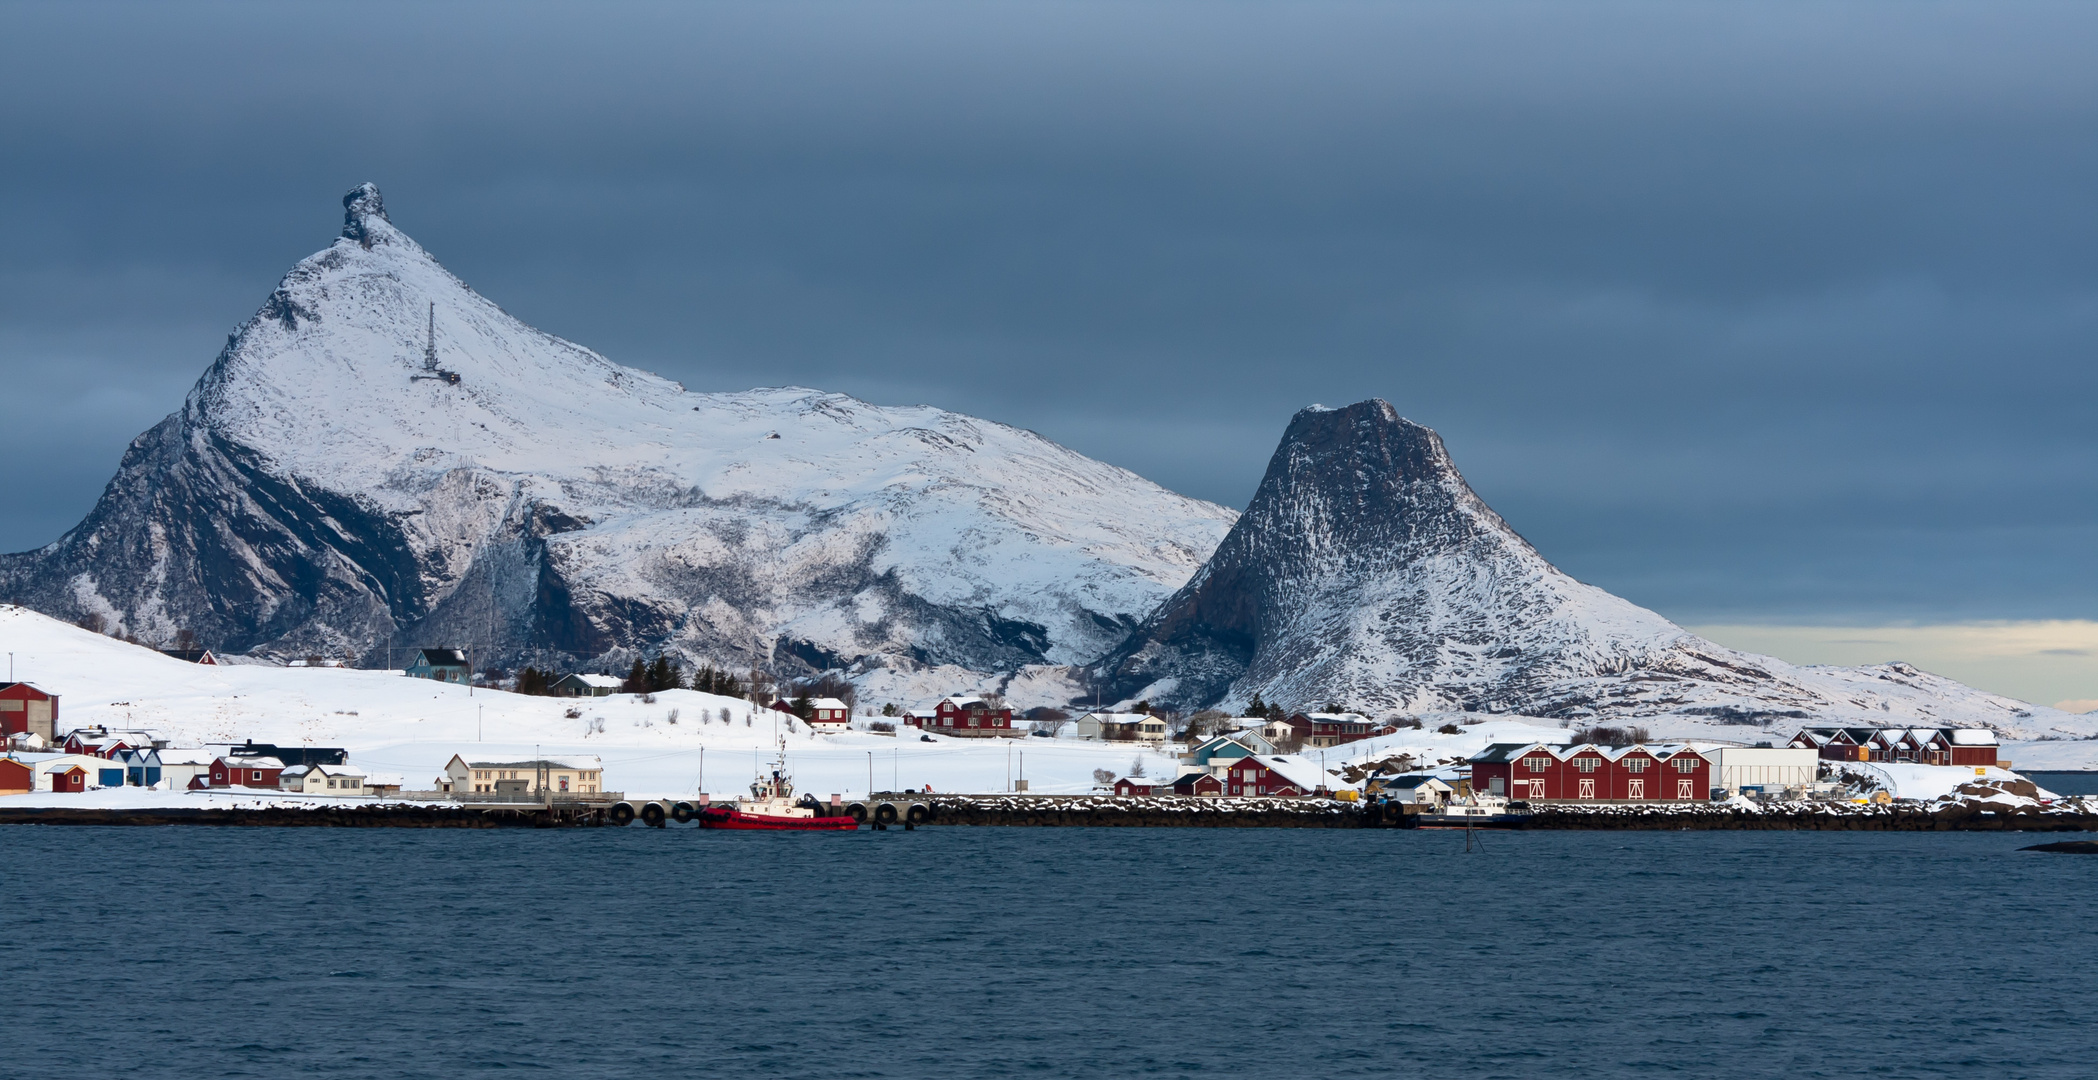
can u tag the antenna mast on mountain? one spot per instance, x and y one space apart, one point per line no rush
430 369
430 341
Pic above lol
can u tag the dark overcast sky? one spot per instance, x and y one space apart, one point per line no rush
1743 311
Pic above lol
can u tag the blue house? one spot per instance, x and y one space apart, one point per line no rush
444 665
1220 751
141 767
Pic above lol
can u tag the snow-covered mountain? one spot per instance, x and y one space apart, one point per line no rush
382 457
1366 573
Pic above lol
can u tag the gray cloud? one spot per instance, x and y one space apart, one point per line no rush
1742 310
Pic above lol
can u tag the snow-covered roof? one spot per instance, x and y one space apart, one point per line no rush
828 703
577 763
250 761
187 755
602 682
1304 774
1973 737
324 770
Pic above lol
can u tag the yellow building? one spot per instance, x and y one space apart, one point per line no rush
527 779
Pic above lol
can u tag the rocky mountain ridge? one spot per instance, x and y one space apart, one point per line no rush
1366 573
381 458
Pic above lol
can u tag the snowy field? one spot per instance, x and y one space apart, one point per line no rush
411 727
676 746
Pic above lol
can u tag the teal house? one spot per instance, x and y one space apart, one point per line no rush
444 665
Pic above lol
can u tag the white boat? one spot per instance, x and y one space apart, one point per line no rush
1475 812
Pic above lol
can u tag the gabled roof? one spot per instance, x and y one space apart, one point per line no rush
249 761
1508 751
324 770
442 657
1304 774
585 763
26 686
1971 736
604 682
828 703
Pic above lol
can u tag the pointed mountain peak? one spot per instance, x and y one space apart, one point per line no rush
364 216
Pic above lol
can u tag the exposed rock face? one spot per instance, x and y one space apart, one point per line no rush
381 457
1366 573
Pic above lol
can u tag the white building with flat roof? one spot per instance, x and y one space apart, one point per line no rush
1736 767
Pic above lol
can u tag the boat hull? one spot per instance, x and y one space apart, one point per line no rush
1479 821
722 817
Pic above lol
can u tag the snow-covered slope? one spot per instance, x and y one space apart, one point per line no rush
328 488
1366 573
410 727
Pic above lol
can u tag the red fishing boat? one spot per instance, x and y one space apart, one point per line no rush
771 805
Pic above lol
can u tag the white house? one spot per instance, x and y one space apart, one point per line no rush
1417 788
1123 727
322 780
99 771
180 765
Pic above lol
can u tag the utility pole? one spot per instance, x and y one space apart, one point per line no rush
870 774
477 722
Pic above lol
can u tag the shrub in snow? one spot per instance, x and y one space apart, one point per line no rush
672 717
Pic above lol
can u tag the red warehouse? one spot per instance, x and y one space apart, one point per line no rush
24 709
1538 772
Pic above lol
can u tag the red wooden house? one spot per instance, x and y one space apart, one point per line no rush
26 710
246 770
1836 744
1541 772
16 777
1331 729
71 779
1140 785
1969 746
970 718
1253 777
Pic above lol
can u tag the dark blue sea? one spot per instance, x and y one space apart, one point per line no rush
988 952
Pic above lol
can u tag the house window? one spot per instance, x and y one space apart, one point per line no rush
1686 764
1637 764
1537 764
1587 764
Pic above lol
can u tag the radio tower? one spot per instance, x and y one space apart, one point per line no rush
430 341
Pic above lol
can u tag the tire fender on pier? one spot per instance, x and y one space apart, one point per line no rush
621 813
683 813
652 815
857 812
918 814
885 814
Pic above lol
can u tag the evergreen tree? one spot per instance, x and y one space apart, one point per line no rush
636 679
